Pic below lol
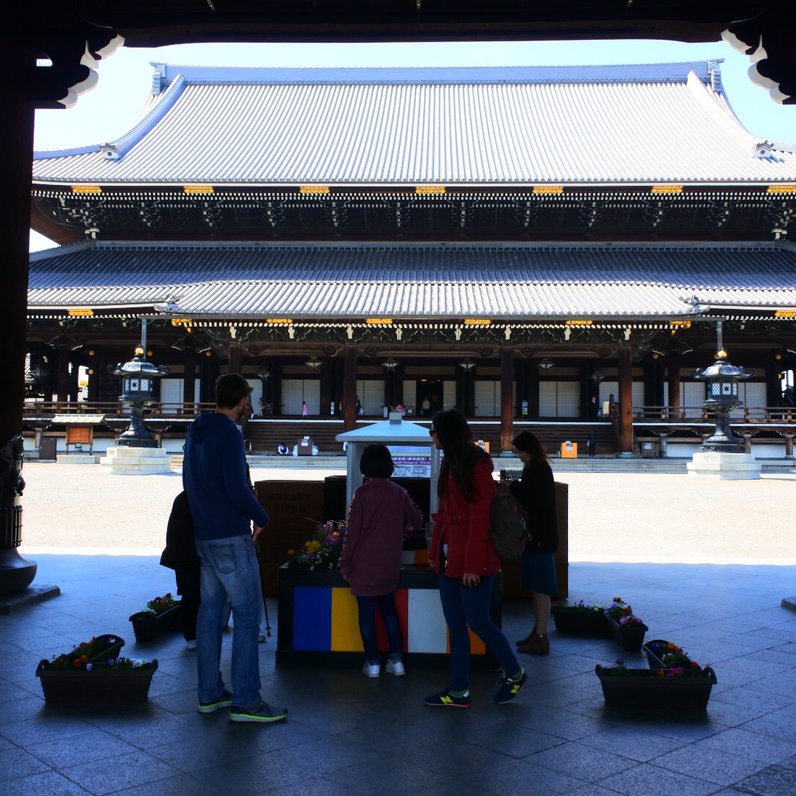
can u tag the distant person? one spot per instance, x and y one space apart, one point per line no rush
305 410
360 410
381 511
591 444
594 408
463 555
425 407
223 509
535 491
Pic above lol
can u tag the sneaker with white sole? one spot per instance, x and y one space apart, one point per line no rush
371 669
260 713
395 668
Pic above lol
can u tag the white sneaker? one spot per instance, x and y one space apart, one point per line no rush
396 668
371 669
190 645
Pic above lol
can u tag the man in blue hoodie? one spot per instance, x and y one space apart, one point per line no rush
223 509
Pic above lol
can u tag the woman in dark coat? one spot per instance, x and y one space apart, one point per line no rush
535 490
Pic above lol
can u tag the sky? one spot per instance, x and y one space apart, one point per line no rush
109 110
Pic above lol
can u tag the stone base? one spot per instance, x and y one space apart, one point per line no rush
33 594
137 461
725 466
77 458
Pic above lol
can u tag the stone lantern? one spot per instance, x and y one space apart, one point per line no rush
722 454
721 382
138 391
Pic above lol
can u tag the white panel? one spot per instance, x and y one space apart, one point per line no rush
311 393
256 394
170 393
548 399
607 389
372 396
568 399
449 393
485 394
692 396
408 392
292 392
637 388
753 397
426 627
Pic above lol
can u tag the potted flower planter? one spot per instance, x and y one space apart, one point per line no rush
579 621
99 685
652 649
645 689
148 626
629 635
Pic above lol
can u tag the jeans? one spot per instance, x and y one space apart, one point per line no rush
367 626
463 607
229 572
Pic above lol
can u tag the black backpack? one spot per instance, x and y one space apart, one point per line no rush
509 526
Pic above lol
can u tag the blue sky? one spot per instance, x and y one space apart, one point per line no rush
110 110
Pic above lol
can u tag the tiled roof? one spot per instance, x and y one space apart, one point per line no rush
511 281
272 127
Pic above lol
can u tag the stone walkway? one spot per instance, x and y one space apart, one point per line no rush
349 735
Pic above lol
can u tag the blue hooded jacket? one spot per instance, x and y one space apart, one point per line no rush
214 477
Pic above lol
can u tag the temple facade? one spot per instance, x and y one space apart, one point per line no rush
545 246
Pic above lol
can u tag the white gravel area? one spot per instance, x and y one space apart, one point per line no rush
612 516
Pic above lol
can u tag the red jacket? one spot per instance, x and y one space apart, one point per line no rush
466 528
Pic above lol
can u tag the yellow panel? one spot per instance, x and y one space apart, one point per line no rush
345 622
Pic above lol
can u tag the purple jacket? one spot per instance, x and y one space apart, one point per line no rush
371 559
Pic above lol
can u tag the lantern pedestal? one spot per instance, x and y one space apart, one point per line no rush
137 461
729 466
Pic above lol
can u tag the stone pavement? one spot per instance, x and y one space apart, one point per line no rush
347 734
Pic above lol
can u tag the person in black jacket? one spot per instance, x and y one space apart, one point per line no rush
180 555
535 490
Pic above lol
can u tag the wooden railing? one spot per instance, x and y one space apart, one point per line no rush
163 409
744 414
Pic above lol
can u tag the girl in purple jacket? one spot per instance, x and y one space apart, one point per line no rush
371 561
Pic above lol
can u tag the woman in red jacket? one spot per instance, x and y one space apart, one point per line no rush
464 556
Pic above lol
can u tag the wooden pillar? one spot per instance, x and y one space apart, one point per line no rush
16 573
349 388
625 400
327 388
506 397
62 377
532 389
234 359
673 386
188 375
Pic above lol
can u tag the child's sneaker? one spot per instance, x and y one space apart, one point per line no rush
371 669
395 668
223 701
260 713
445 699
510 687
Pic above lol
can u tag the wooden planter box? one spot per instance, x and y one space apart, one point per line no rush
647 689
148 626
578 622
629 636
100 685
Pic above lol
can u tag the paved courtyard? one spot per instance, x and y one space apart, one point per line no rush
667 543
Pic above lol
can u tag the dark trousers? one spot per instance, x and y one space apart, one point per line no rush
189 589
367 625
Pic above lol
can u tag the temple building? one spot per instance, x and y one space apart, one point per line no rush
539 247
